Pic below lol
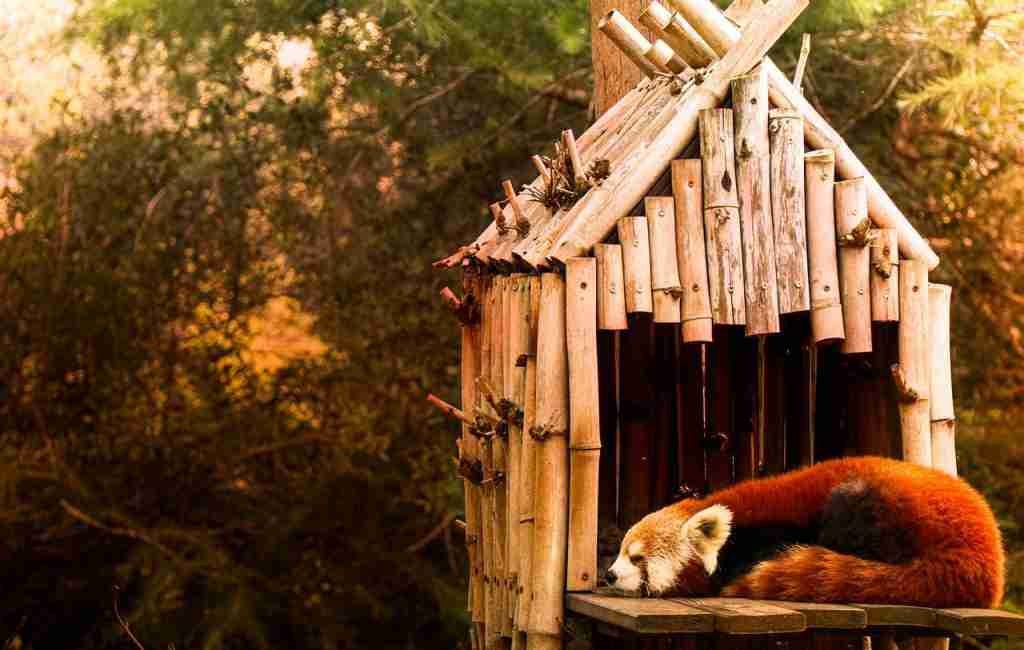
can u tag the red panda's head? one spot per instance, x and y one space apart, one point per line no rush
674 550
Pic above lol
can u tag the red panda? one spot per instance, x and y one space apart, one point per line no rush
868 530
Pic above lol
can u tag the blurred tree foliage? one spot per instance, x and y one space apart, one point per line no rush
221 320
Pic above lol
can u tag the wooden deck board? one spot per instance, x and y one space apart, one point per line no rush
742 616
827 616
898 615
980 622
642 615
652 616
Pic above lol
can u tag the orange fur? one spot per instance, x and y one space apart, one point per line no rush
957 550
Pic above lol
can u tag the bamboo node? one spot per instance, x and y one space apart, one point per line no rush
675 292
907 393
860 236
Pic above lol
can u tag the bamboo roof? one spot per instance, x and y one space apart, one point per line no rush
654 124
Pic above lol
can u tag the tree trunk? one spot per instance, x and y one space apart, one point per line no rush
614 73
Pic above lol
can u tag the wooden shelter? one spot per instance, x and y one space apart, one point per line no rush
706 286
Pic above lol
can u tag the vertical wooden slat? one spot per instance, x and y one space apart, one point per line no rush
519 342
584 422
691 250
663 440
552 470
528 464
661 228
753 180
854 266
721 218
611 288
823 266
690 436
787 163
499 449
608 368
636 264
885 287
941 379
492 630
636 418
915 419
470 370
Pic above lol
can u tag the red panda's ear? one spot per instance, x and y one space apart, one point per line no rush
707 531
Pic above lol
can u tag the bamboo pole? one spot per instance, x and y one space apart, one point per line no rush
628 39
678 34
721 218
662 55
885 288
519 341
915 380
611 297
528 465
691 250
552 490
719 32
594 216
854 267
787 162
753 186
826 308
943 416
499 448
492 628
636 264
584 422
469 371
661 229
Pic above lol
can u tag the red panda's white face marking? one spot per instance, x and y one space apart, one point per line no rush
657 548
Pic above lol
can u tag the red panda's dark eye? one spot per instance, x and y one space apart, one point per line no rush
636 559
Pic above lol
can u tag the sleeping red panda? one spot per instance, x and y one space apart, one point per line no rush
868 530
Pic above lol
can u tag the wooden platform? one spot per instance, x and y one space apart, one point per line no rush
646 616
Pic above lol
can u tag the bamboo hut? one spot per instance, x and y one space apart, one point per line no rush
705 286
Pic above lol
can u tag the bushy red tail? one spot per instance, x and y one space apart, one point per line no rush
955 578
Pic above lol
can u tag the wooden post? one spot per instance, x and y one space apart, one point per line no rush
470 370
826 308
854 266
940 394
584 422
722 35
636 264
753 180
629 40
691 250
552 492
913 374
611 288
787 161
885 288
679 34
722 217
528 465
661 228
